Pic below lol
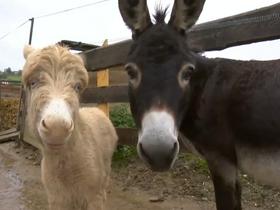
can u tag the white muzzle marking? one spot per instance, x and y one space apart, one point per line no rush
159 121
58 108
157 141
56 123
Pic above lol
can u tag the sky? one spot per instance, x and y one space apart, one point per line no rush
94 23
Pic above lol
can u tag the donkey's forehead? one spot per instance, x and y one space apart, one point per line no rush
161 34
159 43
53 60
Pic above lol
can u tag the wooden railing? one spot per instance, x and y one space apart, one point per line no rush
9 89
259 25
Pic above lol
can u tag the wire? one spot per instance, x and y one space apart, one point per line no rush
53 13
70 9
19 26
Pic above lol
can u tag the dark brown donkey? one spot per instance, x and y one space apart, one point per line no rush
229 111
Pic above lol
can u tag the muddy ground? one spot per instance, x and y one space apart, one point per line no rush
133 186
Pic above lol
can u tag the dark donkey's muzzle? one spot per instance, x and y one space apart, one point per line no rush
157 144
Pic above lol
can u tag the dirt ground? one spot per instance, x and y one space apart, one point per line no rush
133 186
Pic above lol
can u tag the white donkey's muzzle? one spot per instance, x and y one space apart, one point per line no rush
56 124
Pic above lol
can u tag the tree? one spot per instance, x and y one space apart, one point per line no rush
19 72
8 70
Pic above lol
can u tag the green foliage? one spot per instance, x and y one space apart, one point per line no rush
196 163
121 117
8 74
123 155
14 77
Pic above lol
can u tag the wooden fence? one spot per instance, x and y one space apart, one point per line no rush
259 25
254 26
9 89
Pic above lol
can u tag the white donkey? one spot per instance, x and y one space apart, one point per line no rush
77 144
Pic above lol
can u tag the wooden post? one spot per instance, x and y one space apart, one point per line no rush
102 80
31 30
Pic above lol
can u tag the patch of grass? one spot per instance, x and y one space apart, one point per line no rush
123 155
196 163
121 116
14 77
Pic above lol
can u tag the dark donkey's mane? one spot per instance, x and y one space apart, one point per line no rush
160 14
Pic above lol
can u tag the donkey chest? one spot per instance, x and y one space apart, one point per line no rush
262 165
66 174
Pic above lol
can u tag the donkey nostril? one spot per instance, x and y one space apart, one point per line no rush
141 147
71 127
142 150
175 147
44 124
144 153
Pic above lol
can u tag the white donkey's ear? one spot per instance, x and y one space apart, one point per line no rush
27 50
185 13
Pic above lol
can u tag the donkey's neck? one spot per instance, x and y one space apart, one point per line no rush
205 68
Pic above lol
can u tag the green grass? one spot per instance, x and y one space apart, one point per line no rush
123 156
196 163
14 78
121 117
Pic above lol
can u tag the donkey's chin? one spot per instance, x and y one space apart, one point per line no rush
54 142
158 165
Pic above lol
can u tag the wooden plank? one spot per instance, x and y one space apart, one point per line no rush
127 136
9 91
116 77
254 26
9 95
111 94
11 130
80 46
102 80
22 112
8 137
107 57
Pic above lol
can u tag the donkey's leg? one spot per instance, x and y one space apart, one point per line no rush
226 184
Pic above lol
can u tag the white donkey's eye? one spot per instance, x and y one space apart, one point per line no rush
33 83
133 73
78 87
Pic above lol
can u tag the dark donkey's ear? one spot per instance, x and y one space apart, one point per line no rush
136 15
185 13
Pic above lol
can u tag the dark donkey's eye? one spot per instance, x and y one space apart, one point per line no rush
133 73
185 74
